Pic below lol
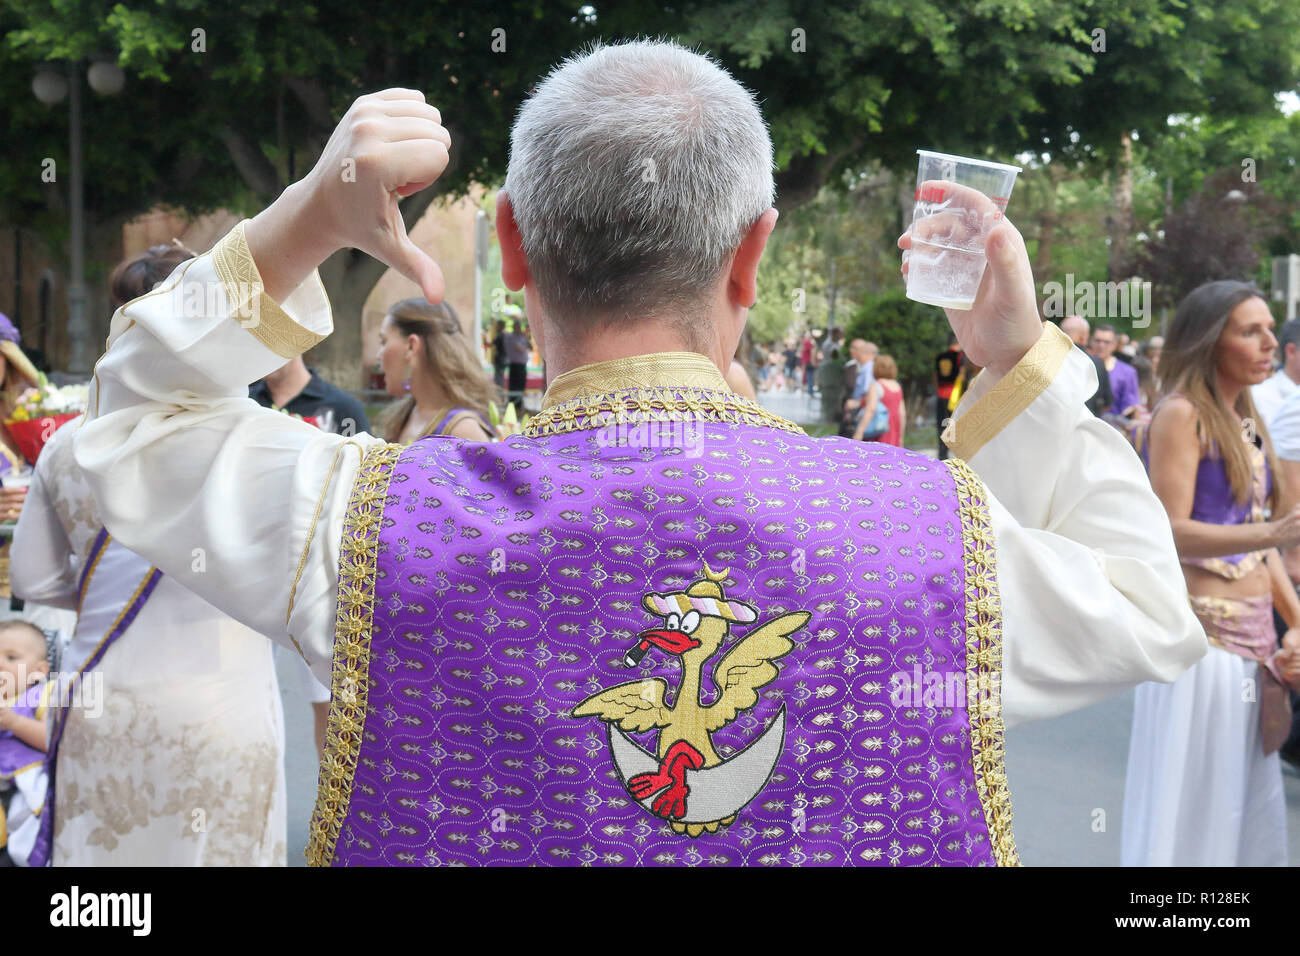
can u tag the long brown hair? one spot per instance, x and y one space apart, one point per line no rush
1187 367
450 357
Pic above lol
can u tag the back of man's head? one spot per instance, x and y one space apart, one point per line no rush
1289 334
635 171
1076 327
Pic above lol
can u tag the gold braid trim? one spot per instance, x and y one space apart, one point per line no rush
350 676
250 306
640 405
984 660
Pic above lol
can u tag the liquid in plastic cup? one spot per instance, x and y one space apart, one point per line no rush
951 227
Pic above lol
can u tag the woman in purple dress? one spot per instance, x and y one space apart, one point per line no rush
1204 782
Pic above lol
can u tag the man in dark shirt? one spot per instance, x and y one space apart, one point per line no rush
947 368
299 390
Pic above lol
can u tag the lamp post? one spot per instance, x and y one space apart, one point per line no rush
480 266
107 79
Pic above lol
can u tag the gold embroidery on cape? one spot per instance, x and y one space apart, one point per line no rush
350 677
984 661
250 306
638 406
660 387
1030 377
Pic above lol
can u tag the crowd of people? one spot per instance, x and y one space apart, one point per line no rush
468 617
861 397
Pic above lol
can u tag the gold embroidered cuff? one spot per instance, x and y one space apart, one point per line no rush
250 306
1008 398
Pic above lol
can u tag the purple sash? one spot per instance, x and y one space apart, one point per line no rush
15 755
718 642
40 855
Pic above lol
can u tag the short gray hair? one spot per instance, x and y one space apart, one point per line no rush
635 171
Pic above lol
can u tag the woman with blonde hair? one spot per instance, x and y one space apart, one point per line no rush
430 366
1204 784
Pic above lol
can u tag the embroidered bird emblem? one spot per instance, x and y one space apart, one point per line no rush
685 781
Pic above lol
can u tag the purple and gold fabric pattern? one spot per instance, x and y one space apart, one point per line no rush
664 628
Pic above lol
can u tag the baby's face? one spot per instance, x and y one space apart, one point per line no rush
22 658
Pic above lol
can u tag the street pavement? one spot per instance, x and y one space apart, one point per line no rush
1066 775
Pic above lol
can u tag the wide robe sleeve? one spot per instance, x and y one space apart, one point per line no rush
1093 598
241 504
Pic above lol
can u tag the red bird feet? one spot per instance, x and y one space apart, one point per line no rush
671 774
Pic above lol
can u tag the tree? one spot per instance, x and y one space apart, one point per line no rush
1159 58
1218 233
843 84
226 104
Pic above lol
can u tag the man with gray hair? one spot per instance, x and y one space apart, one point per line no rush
520 635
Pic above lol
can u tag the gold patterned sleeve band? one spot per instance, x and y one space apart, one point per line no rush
250 306
1030 377
350 676
984 660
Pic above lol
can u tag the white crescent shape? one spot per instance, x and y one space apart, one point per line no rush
715 792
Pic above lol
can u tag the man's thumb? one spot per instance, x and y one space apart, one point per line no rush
414 263
1001 250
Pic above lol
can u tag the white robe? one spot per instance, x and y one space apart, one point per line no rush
1199 790
174 752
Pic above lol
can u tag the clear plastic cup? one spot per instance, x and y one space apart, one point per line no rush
950 226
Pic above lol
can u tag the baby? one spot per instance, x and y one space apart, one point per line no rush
23 737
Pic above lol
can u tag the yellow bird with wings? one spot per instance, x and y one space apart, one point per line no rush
685 781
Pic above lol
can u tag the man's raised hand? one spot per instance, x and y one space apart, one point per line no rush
1003 324
388 145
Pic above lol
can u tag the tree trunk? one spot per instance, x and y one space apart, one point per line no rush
348 276
1047 223
1120 220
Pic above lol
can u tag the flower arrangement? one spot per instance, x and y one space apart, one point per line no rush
40 410
46 400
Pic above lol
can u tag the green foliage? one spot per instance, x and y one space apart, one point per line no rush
912 333
850 89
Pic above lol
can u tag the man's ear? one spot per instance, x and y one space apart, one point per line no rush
514 264
742 285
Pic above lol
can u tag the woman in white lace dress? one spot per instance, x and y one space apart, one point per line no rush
184 765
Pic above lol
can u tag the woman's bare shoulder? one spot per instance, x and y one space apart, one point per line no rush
1176 418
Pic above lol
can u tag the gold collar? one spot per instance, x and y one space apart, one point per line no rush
655 370
660 387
